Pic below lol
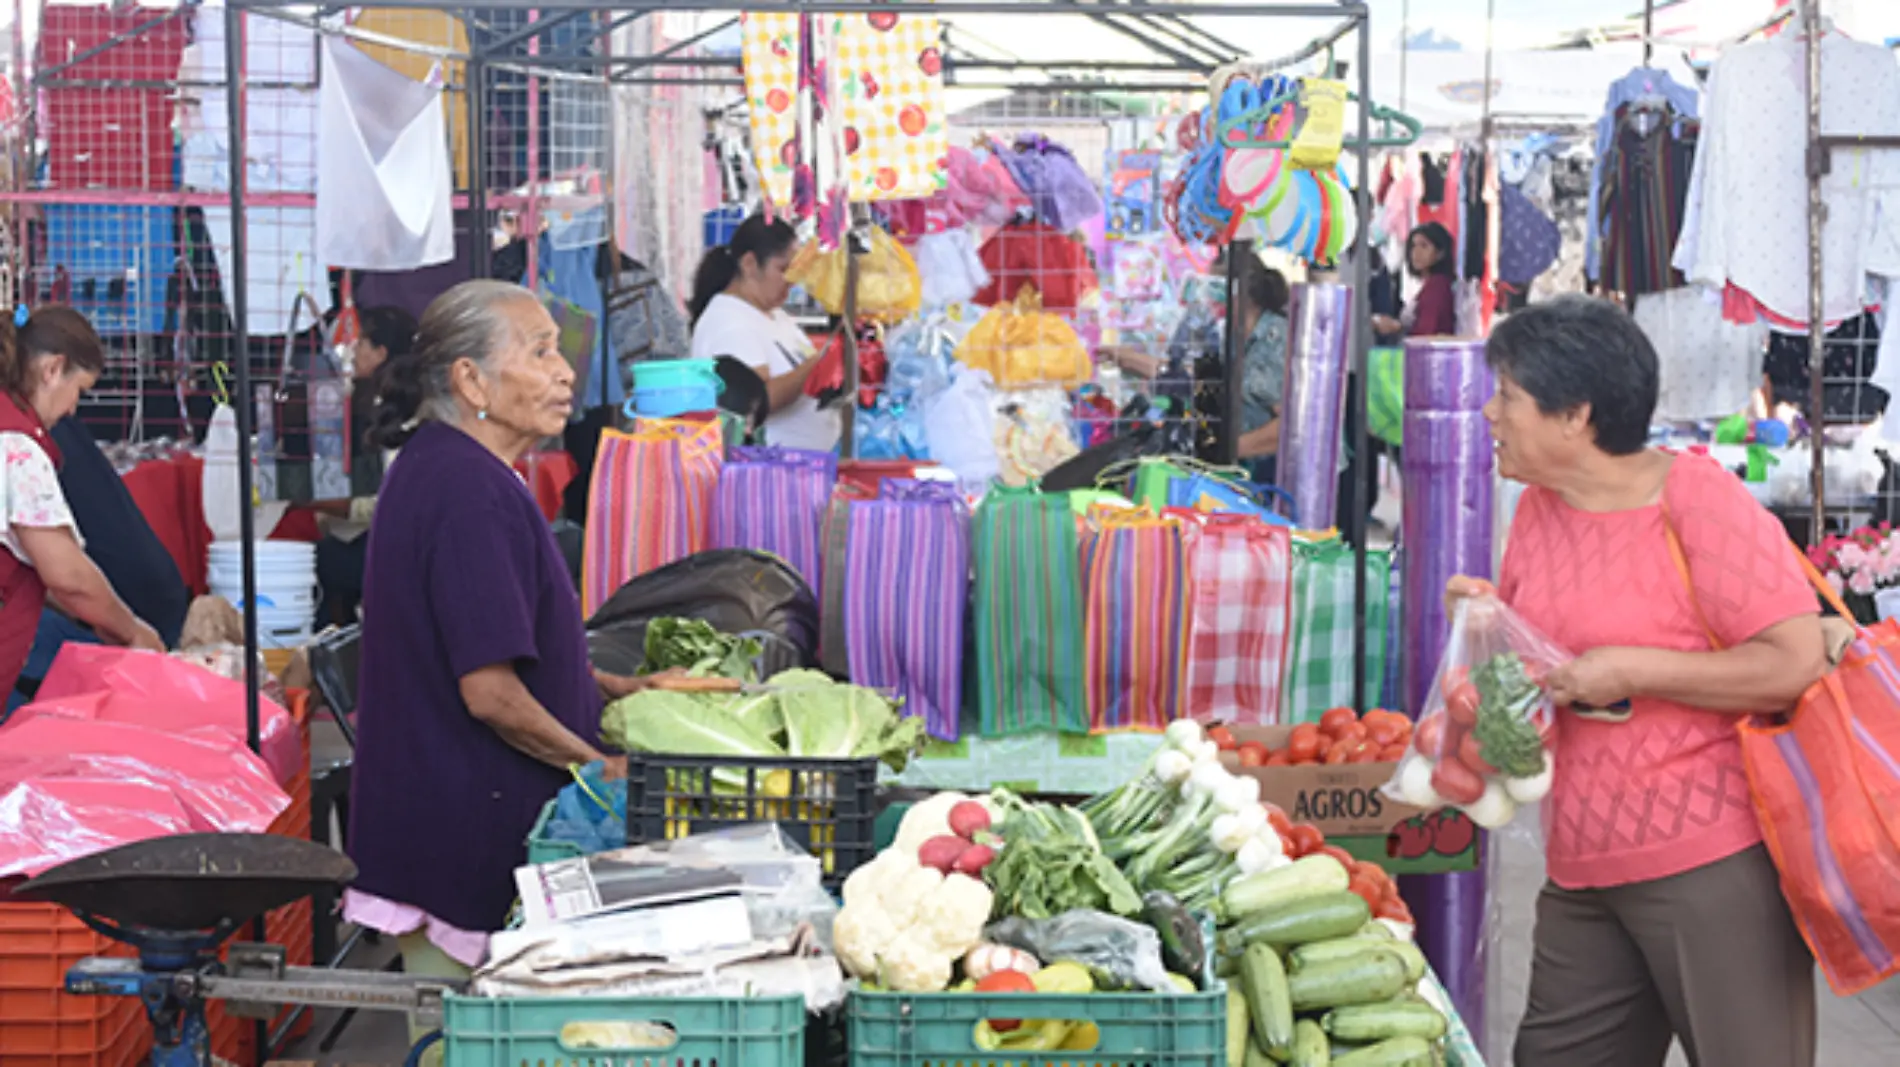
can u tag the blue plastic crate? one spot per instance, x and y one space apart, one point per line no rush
119 259
707 1031
1136 1029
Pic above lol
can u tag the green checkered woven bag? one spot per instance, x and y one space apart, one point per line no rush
1028 616
1320 648
1385 399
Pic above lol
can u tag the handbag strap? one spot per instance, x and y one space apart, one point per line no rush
1681 560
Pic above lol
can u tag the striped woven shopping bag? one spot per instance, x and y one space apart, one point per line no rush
1028 624
774 500
1134 566
650 502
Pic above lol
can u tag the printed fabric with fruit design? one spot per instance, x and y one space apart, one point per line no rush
879 78
1664 792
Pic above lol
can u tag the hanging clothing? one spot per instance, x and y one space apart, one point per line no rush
1641 84
1642 187
432 30
383 176
571 290
1748 223
1849 361
1708 367
1041 257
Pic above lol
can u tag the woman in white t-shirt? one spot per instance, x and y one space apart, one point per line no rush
738 310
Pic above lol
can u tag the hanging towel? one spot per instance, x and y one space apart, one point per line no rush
383 172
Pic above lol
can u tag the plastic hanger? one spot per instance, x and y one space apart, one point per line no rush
1234 132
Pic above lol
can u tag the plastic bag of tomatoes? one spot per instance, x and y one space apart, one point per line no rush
1485 742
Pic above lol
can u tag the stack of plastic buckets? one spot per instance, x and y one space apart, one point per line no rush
286 587
663 388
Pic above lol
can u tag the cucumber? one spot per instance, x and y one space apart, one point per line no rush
1377 975
1363 1024
1268 1002
1308 877
1319 918
1347 947
1398 1052
1238 1023
1256 1057
1310 1047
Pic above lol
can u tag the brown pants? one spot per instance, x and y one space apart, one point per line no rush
1711 956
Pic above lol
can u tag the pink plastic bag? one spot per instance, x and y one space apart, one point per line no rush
150 689
72 772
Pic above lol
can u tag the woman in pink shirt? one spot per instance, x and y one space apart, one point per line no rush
1663 913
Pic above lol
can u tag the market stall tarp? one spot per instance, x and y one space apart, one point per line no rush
1445 90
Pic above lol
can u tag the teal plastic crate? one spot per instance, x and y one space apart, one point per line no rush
708 1031
541 850
1137 1029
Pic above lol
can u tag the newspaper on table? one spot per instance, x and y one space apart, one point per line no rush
586 958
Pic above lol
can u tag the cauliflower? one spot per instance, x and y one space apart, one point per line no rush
904 924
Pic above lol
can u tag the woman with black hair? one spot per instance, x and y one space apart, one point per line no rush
388 333
1433 312
738 310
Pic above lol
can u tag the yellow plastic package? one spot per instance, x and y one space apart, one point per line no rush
1021 344
889 287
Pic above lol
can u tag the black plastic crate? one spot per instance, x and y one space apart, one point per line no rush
828 806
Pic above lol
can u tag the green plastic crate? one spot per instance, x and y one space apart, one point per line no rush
711 1031
1137 1029
541 850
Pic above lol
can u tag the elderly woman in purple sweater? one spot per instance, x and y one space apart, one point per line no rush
476 693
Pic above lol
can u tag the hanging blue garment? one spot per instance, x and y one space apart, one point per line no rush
565 263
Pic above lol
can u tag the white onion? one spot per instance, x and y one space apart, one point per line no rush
1492 810
1415 783
1532 789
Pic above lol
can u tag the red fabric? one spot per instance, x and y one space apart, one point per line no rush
1041 257
170 494
549 474
110 138
1240 584
1664 792
22 594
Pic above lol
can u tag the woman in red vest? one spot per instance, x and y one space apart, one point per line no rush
46 362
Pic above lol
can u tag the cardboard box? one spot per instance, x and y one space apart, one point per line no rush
1346 801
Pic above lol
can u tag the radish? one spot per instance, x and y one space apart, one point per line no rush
968 819
973 860
941 853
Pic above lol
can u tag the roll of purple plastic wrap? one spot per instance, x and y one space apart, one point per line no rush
1448 471
1313 407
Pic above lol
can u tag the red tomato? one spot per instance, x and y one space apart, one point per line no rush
1288 846
1456 782
1393 909
1006 982
1303 748
1371 871
1307 840
1337 754
1429 738
1253 754
1346 859
1372 894
1461 704
1334 719
1363 752
1277 819
1391 753
1470 754
1223 738
1305 729
1276 758
1352 731
1325 746
1385 732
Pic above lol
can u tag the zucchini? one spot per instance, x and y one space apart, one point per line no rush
1398 1052
1256 1057
1363 1024
1365 979
1347 947
1238 1023
1269 1004
1307 877
1320 918
1310 1047
1183 948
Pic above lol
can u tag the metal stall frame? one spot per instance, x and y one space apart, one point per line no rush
1191 49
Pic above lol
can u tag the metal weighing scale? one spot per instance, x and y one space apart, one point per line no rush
177 900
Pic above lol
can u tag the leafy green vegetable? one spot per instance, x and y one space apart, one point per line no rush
1052 863
692 645
826 720
1507 702
683 724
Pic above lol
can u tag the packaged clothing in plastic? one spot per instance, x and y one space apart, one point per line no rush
1240 582
107 684
957 427
891 430
71 786
1028 614
650 502
1487 734
906 591
773 500
1019 343
951 269
1035 434
736 591
1035 255
982 192
1134 582
889 288
1061 194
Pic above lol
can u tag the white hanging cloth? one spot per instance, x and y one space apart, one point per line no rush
384 179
